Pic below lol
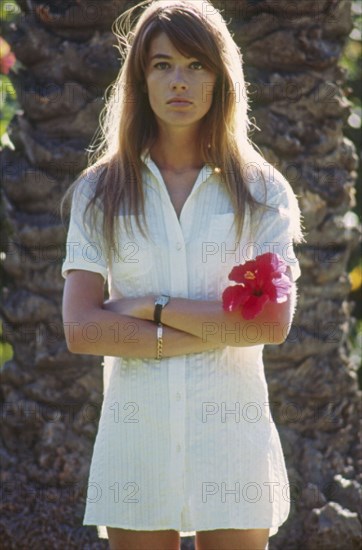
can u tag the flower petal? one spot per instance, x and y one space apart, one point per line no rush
282 287
254 306
238 272
234 297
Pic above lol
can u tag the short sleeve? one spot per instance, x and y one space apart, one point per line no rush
279 229
85 245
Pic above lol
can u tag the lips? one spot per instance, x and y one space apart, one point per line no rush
179 100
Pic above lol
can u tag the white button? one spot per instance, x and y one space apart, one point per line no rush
178 246
178 448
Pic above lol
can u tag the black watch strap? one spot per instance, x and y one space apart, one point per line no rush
157 313
160 303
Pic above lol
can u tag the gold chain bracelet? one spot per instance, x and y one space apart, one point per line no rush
159 341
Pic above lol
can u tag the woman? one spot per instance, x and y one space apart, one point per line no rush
186 442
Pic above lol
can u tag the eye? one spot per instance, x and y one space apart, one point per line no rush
198 64
161 65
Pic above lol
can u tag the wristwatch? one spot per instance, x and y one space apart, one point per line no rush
160 302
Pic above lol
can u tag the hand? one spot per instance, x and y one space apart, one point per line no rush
141 307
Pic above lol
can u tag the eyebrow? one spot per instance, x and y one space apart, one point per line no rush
163 56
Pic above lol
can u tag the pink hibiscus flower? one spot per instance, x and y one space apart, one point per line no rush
258 282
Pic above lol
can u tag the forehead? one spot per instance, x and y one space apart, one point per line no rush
161 44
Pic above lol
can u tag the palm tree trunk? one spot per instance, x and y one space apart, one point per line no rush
51 398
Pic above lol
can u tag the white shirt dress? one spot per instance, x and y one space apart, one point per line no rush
187 443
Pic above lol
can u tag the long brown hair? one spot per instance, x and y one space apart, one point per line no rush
128 126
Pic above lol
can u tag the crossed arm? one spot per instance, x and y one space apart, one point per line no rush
124 327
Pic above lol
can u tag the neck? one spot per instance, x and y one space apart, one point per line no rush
177 151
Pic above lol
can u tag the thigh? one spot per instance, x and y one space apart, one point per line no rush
128 539
235 539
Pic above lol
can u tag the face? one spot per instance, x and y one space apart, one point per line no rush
170 75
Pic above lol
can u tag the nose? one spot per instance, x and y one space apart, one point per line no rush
178 81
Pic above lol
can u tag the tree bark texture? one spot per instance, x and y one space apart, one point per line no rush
51 399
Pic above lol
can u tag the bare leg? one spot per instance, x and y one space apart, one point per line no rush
232 539
128 539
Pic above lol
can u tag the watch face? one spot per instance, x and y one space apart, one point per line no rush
163 300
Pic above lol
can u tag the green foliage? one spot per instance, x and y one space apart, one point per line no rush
8 107
351 60
8 104
6 350
8 10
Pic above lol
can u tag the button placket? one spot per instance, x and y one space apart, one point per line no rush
176 373
177 235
